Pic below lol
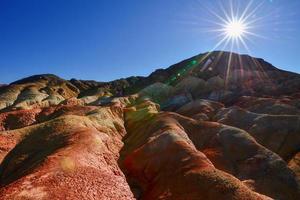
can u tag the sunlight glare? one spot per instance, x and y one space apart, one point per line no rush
235 28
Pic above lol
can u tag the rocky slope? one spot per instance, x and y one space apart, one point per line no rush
215 126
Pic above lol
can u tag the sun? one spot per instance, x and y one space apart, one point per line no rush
234 24
235 29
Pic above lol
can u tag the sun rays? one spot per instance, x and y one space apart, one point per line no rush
226 26
235 26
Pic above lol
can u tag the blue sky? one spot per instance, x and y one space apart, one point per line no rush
109 39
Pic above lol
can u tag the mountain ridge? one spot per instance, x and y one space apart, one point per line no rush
184 60
163 75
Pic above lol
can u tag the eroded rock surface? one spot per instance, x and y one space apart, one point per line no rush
190 131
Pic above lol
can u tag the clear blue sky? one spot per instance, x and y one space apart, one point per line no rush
109 39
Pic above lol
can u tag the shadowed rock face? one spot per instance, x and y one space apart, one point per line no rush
191 131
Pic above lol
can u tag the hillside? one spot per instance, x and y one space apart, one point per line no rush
215 126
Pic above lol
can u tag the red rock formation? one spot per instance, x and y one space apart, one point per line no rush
69 157
163 163
79 139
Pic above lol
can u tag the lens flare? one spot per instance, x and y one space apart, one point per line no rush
234 24
235 29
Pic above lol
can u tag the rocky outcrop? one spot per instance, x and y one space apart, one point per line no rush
279 133
286 105
161 162
70 156
36 91
200 109
229 149
294 164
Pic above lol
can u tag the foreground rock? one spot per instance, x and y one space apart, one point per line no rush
68 157
161 162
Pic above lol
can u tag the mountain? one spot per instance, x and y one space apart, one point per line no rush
218 125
